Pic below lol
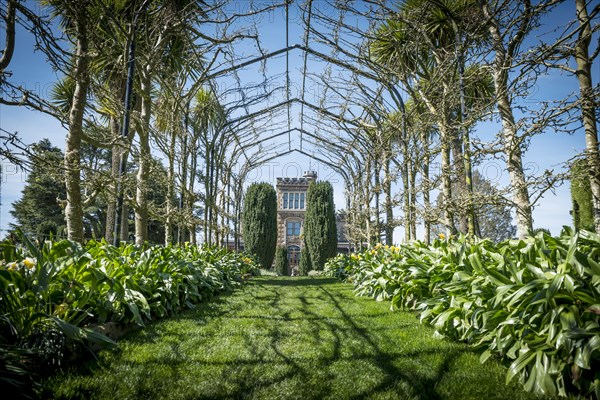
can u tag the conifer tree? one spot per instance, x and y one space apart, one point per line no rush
320 230
281 260
304 266
38 210
259 222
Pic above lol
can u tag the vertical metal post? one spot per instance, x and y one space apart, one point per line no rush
125 131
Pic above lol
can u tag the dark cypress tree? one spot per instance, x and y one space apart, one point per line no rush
281 260
38 210
581 193
304 266
259 222
320 230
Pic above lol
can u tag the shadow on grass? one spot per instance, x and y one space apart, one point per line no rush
300 338
293 281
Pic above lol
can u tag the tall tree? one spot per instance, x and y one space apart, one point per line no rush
493 211
320 232
416 47
166 25
78 17
509 24
259 222
44 187
588 99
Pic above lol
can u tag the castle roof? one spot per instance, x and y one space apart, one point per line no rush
294 181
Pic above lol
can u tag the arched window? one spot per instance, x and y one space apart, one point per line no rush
293 253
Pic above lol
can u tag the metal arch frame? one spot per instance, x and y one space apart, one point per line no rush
333 166
340 118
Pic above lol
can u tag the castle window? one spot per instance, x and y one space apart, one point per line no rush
293 228
294 201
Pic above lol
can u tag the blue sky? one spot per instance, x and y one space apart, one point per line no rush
547 151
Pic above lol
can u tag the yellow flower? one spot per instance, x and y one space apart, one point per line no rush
29 262
12 266
61 309
442 236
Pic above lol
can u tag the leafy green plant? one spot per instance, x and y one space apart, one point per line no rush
53 293
534 303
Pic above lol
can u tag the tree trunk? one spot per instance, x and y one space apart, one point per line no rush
584 75
191 196
426 190
406 194
461 187
124 231
376 184
471 217
74 208
367 203
413 200
9 42
111 206
512 150
447 181
170 191
389 206
141 196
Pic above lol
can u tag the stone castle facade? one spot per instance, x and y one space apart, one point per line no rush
291 210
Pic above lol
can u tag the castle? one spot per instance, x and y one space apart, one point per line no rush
291 207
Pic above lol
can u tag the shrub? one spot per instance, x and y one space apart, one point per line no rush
281 260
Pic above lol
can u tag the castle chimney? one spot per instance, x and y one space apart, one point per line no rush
310 175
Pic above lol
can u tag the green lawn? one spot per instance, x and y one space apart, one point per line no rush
287 338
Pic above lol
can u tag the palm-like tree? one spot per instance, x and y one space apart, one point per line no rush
77 20
420 46
208 125
399 48
163 28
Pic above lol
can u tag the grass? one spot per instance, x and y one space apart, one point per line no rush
287 338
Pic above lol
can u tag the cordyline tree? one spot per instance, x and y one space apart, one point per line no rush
422 45
320 232
259 222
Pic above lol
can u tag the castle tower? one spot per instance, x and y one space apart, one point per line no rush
291 208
